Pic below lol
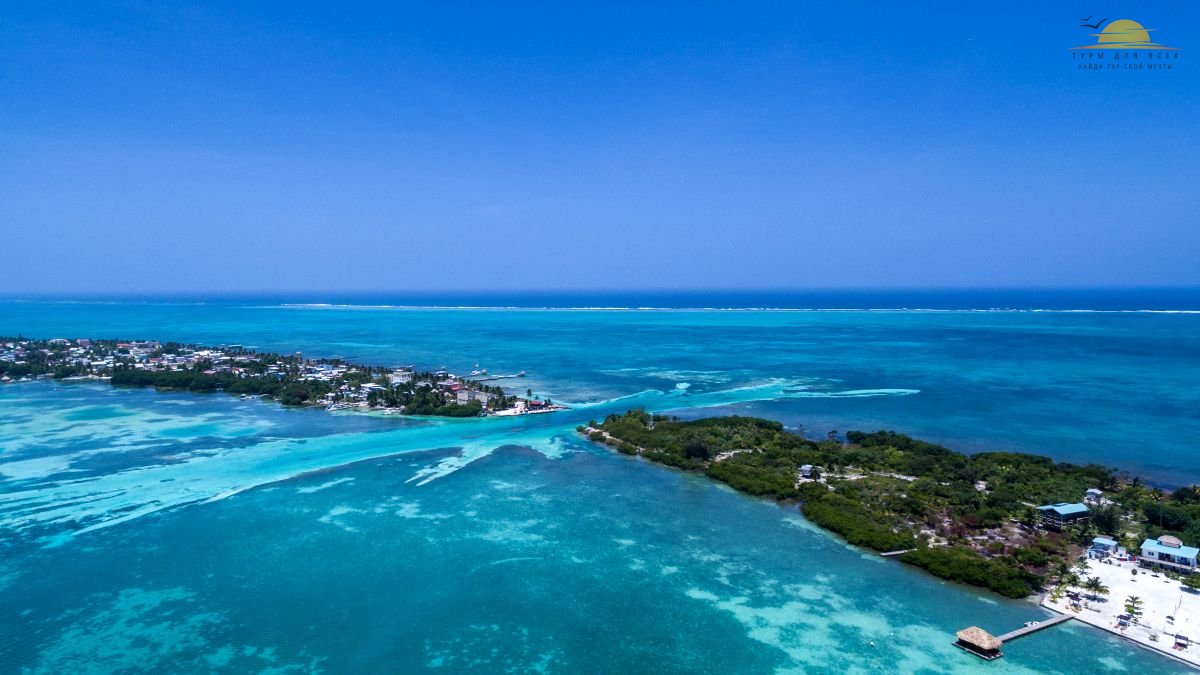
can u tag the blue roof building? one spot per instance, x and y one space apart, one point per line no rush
1065 509
1056 516
1102 547
1169 553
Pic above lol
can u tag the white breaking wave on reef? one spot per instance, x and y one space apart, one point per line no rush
567 308
780 388
857 393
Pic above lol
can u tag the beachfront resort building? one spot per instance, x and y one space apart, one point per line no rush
1169 553
1058 516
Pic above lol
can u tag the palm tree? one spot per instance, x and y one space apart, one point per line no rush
1095 587
1133 606
1157 496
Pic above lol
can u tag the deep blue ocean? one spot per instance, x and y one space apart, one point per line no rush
170 532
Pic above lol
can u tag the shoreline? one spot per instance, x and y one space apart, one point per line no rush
794 504
1155 590
289 380
1187 606
360 409
1125 638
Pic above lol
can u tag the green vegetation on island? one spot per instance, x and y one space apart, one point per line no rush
967 518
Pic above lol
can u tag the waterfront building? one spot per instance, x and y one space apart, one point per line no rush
979 642
467 395
1058 516
1169 553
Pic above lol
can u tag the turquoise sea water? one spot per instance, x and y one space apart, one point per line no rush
177 532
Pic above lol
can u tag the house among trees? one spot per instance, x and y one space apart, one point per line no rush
1058 516
1169 553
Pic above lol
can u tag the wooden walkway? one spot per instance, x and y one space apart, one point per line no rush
1026 630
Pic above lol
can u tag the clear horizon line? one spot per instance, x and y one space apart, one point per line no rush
600 289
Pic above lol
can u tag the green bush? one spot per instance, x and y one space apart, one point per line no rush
855 523
959 563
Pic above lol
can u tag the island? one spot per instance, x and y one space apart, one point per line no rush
292 380
1016 524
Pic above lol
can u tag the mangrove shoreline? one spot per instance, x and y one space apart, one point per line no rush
965 518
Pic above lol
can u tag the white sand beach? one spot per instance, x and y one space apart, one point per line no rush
1168 608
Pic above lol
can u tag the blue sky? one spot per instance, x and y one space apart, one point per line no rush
224 147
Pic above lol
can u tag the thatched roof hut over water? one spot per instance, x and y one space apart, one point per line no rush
979 642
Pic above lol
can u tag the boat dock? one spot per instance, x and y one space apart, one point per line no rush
1034 627
987 646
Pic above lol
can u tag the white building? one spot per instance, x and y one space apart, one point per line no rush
468 395
1169 553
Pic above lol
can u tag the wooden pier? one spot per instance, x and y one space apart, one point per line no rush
986 646
1033 628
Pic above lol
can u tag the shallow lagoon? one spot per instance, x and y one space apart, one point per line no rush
587 560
